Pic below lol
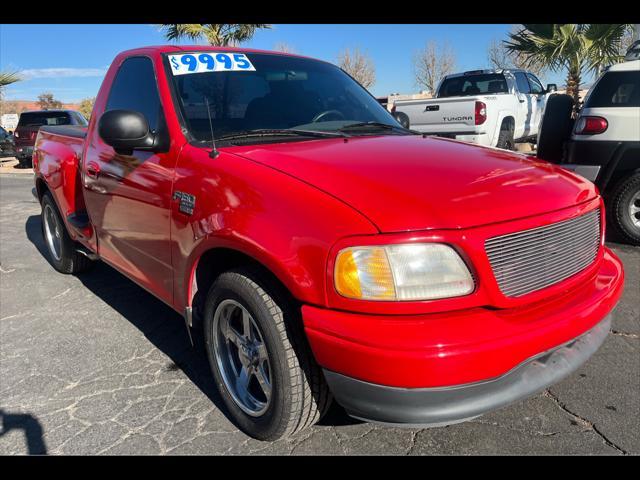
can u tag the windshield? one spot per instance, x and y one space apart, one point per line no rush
479 84
282 92
37 119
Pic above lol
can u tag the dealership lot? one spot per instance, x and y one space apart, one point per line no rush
95 364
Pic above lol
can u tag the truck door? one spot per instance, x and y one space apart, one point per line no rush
524 107
539 98
128 197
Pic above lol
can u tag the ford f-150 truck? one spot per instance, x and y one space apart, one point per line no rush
321 250
489 107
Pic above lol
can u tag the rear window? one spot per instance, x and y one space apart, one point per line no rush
480 84
616 89
38 119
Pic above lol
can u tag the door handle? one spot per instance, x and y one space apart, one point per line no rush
93 169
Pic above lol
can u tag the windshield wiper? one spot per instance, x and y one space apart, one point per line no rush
385 126
365 125
268 132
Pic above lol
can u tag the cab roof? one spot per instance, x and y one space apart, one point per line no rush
625 66
201 48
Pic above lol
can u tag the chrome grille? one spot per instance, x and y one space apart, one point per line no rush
531 260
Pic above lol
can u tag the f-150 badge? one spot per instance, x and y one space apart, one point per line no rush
187 202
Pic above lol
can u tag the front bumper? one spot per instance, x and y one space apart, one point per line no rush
449 405
449 366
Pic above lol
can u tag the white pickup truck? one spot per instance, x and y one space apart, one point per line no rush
488 107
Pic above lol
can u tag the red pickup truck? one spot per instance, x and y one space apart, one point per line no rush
320 249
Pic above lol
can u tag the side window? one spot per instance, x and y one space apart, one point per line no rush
522 83
134 88
536 86
616 89
80 120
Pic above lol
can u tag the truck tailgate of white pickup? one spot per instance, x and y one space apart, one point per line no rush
442 115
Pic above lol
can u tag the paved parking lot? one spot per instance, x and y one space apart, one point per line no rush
94 364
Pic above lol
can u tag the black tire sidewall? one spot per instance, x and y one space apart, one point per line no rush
65 243
619 213
505 138
273 422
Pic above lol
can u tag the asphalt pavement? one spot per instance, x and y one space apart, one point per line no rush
93 364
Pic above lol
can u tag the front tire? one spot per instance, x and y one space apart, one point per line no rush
62 249
259 357
624 209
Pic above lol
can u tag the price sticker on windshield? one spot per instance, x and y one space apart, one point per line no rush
209 62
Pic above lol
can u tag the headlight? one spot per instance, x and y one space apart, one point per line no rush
415 271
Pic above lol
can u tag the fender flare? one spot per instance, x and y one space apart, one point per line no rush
251 250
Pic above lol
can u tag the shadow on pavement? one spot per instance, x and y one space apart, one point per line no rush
32 430
160 324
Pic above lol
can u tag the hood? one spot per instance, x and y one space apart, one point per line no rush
404 183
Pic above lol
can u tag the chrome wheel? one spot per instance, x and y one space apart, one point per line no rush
52 232
634 209
242 357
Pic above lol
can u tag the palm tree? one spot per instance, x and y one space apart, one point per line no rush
7 78
219 34
574 47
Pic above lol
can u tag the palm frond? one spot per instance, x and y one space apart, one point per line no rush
569 45
7 78
221 34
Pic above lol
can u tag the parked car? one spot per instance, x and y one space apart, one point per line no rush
322 251
603 143
7 147
31 121
488 107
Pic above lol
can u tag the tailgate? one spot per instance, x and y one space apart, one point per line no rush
441 115
26 135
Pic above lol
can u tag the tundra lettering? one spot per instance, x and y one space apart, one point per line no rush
457 119
332 254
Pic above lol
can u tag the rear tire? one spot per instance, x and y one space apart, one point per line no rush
61 247
25 162
624 209
298 394
403 119
555 128
505 137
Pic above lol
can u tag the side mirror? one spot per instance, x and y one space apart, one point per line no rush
402 118
552 87
125 131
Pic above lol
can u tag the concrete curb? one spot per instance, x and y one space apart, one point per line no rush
15 171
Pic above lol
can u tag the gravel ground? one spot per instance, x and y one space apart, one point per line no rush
93 364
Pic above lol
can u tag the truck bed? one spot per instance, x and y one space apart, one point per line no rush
74 131
57 159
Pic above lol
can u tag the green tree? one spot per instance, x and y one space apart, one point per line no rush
219 34
86 107
578 48
47 102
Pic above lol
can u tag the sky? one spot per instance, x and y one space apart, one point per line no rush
70 60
